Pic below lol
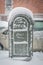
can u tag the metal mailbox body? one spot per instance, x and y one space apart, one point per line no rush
20 32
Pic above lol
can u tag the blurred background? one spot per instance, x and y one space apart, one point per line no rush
6 6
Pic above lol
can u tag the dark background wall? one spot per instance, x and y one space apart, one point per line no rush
2 6
36 6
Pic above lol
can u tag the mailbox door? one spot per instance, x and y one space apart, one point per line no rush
21 36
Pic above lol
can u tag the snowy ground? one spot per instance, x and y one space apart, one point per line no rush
37 59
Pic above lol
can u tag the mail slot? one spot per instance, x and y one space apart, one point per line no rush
20 32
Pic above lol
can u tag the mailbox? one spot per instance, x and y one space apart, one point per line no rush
20 32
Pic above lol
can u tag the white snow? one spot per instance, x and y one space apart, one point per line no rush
19 10
37 59
3 24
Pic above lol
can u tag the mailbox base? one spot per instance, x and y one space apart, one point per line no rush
22 58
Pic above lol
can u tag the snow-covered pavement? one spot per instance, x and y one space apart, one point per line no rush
37 59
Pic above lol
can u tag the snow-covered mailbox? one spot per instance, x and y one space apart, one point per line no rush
20 32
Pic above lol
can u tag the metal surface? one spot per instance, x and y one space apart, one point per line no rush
21 36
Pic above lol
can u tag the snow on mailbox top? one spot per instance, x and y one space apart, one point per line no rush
19 10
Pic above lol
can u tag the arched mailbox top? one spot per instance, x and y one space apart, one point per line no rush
20 32
20 11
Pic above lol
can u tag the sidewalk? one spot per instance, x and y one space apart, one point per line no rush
37 59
